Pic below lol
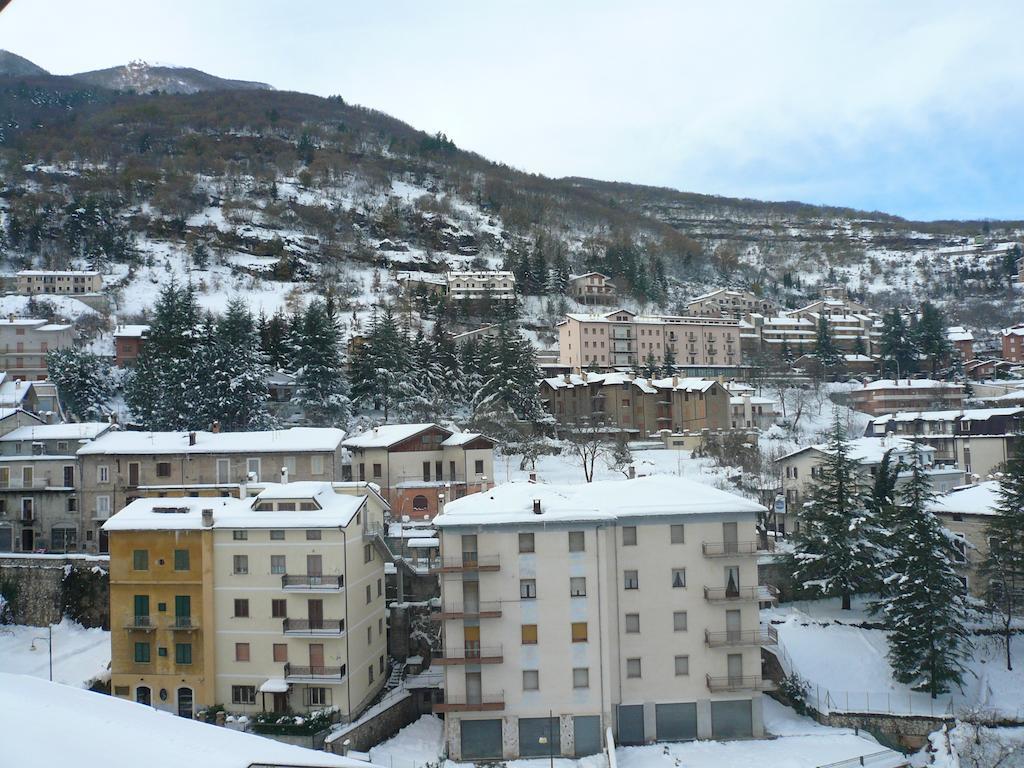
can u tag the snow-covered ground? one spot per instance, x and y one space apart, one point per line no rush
967 746
67 307
80 655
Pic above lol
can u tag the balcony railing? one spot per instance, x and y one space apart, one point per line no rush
311 581
733 548
142 623
487 703
469 562
455 611
761 593
313 626
738 683
292 671
470 655
184 623
17 482
767 636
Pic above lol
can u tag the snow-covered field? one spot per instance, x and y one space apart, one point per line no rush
80 655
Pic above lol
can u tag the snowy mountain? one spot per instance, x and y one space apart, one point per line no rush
141 77
12 65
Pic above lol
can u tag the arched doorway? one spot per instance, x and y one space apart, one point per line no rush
185 702
143 695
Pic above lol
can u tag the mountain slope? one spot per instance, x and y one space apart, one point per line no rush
140 77
13 65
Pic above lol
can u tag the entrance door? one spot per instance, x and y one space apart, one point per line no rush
143 695
185 702
732 626
316 614
314 569
133 474
223 471
474 688
735 662
28 540
316 658
472 642
730 537
6 538
280 702
69 476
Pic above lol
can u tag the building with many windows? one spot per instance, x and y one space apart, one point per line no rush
592 288
481 284
892 395
631 605
24 342
31 281
728 302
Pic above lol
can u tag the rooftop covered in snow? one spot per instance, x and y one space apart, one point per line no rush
979 499
296 439
85 430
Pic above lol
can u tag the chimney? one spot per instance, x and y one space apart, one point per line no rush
207 518
533 477
536 506
567 378
284 475
675 382
191 438
440 503
215 427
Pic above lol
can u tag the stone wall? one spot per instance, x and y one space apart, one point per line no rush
909 732
382 722
42 588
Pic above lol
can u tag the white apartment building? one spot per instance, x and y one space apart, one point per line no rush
58 282
480 284
631 605
24 342
727 302
623 338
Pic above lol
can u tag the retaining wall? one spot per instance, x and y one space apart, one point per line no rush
40 587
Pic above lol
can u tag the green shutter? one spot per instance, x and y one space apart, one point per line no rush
181 562
183 653
142 653
141 605
140 560
182 606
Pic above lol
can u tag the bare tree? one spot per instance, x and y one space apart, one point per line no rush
587 444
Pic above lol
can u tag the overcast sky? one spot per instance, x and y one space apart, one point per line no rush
914 108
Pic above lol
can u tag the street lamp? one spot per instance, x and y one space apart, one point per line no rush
49 646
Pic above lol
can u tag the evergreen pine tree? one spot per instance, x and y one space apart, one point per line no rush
238 392
84 381
321 388
1003 567
896 347
200 255
650 366
668 362
825 349
931 335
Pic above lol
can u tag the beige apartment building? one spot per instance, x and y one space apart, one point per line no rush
30 281
631 605
726 302
123 466
624 402
966 512
890 396
277 600
623 338
24 343
592 288
481 284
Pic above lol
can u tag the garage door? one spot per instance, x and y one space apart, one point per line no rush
481 739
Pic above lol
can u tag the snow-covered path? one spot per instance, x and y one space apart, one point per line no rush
80 655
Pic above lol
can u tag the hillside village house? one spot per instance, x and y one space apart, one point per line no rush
1013 343
128 343
962 341
750 411
38 398
39 486
966 512
726 302
977 440
623 338
592 288
266 604
631 605
30 281
418 466
120 467
800 468
624 402
890 396
481 284
24 343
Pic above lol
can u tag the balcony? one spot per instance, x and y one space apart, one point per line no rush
738 683
489 703
140 624
470 655
296 673
309 582
734 548
735 638
734 594
313 626
470 562
456 611
184 624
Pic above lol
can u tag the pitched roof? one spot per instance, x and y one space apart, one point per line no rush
980 499
389 434
74 431
296 439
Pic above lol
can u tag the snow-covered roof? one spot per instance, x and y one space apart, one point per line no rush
870 450
602 501
86 430
387 435
958 333
617 378
909 384
294 440
131 331
461 438
60 725
47 272
1015 330
426 543
979 499
967 414
740 399
589 274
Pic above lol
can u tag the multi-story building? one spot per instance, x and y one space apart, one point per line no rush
24 343
592 288
32 281
624 402
128 343
273 603
800 468
38 398
977 440
122 466
623 338
890 396
750 411
727 302
966 513
631 605
39 486
418 466
962 341
481 284
1013 343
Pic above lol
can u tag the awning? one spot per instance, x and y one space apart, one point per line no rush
274 685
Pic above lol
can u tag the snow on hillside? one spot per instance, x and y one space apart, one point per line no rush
67 307
80 656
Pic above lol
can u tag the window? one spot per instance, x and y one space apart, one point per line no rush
527 589
241 651
277 535
183 653
380 587
277 564
241 608
142 653
243 694
632 623
279 608
313 535
526 543
631 580
478 466
368 553
140 560
239 535
240 565
682 666
370 670
578 586
531 680
252 468
629 536
579 631
577 543
959 548
632 667
163 469
369 595
103 474
102 506
581 677
678 578
529 634
679 621
280 651
316 465
181 560
369 635
677 534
